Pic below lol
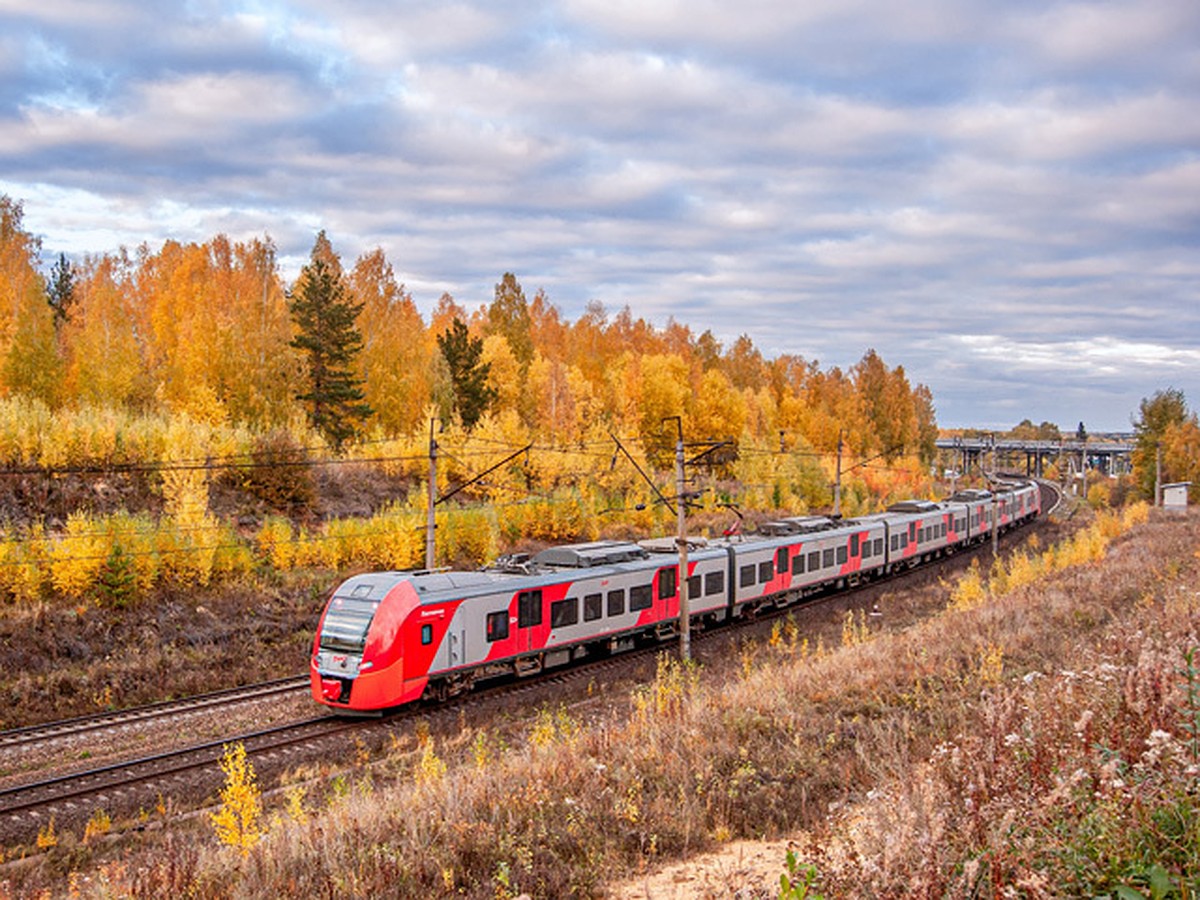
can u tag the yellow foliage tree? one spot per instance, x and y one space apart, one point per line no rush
105 365
238 821
397 348
29 362
78 557
718 411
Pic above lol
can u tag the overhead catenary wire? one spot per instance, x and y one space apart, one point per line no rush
303 537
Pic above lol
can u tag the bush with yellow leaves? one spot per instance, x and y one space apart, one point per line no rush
238 821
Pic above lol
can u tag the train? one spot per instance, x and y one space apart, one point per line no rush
386 639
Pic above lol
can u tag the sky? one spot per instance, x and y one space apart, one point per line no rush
1002 198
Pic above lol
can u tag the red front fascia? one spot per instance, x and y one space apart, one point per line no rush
395 663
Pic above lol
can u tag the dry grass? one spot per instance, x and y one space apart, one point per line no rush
1034 743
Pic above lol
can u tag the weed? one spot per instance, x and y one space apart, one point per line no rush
1191 708
97 826
797 883
430 768
294 805
47 837
855 630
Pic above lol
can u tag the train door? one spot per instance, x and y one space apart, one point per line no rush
529 617
456 641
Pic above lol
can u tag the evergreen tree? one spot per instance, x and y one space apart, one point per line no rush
60 290
1081 433
468 374
325 317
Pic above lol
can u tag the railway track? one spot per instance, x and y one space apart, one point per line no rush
19 738
130 783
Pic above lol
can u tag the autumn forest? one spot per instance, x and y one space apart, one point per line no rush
203 352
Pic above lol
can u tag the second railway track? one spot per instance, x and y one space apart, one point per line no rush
18 738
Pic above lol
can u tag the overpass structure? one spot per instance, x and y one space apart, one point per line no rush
1109 457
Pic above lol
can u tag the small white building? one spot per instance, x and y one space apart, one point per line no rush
1175 496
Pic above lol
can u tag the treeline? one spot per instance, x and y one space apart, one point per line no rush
212 332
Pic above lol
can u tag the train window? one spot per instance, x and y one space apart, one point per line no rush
854 544
564 612
640 597
529 608
827 558
345 627
781 560
879 546
693 587
616 602
497 626
842 555
903 541
866 549
666 583
814 560
765 571
714 583
798 564
746 577
593 607
895 542
427 634
912 534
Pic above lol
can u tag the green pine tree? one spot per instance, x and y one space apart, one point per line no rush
468 375
325 316
60 290
118 579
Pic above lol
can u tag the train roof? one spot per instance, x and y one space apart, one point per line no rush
970 495
374 585
914 506
585 556
798 525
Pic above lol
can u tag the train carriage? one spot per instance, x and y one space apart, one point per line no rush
391 638
794 558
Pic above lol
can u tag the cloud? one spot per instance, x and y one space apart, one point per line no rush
1002 199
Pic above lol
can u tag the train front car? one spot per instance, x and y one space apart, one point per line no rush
357 661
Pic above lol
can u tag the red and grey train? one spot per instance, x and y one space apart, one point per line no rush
389 638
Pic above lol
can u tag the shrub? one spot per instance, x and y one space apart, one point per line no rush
278 474
238 820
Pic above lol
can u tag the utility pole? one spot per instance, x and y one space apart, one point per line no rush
995 504
430 520
1157 474
837 480
685 613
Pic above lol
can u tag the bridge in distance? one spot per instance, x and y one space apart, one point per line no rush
1113 457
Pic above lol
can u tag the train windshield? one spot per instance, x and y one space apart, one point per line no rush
346 624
